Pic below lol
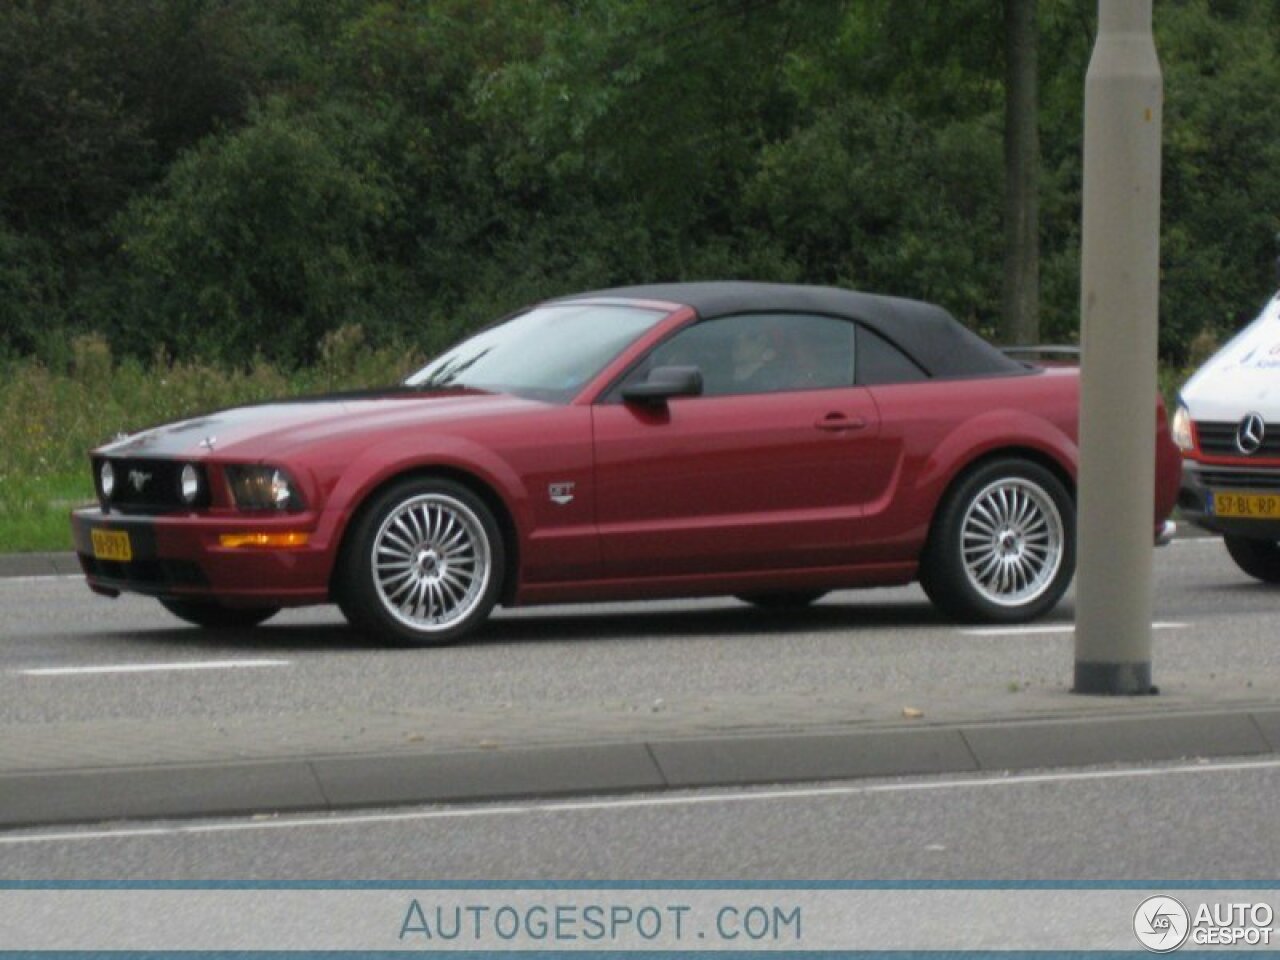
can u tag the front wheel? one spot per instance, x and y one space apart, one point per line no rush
1258 558
1002 548
214 616
423 564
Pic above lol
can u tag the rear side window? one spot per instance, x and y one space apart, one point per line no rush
880 362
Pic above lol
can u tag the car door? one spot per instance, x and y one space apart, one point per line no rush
769 468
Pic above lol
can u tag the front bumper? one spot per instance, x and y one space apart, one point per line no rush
1200 481
182 556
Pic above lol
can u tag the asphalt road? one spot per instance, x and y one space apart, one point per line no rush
67 655
1163 823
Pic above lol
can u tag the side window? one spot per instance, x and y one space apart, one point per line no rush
880 362
763 353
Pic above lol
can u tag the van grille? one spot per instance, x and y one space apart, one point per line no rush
1218 479
1219 439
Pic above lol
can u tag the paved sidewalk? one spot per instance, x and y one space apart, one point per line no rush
193 766
124 769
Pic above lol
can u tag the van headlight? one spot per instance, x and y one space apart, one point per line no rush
1181 428
262 487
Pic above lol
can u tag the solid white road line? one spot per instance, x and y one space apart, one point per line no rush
149 667
1050 628
991 780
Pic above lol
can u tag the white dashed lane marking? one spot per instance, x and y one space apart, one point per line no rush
1049 628
149 667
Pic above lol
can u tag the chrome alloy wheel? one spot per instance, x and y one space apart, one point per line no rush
431 562
1012 541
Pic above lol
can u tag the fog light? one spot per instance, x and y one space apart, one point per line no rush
190 484
291 539
107 479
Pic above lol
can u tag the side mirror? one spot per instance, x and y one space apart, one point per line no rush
663 383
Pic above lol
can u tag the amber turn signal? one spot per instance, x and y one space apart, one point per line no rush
264 539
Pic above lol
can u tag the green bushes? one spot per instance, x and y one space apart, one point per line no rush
261 240
231 178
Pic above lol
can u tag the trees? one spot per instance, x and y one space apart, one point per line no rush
239 176
1020 312
1221 196
261 239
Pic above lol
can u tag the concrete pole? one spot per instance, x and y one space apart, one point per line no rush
1118 301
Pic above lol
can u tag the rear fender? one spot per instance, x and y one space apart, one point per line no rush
997 433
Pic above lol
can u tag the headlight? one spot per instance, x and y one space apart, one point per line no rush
107 479
261 487
190 482
1181 428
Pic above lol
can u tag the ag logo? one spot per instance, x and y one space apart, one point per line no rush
1161 924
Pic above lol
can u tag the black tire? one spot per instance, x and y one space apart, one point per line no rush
1019 524
782 600
1258 558
214 616
441 567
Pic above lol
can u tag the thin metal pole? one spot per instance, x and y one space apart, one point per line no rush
1119 305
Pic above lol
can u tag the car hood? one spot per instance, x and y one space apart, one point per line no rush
1243 377
274 429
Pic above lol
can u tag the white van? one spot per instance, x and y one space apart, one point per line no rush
1228 428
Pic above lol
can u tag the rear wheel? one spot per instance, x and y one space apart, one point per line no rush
214 616
1002 548
1257 558
782 600
423 565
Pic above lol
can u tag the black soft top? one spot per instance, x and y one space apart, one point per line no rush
927 333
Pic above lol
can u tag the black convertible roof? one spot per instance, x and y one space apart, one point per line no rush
929 334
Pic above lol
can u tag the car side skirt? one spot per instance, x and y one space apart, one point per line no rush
710 585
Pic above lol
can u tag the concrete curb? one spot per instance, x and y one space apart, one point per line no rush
38 565
293 784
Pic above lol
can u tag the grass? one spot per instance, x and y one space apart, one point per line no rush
51 419
33 512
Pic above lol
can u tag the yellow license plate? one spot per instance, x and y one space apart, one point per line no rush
111 545
1249 506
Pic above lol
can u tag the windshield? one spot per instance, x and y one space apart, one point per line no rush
549 353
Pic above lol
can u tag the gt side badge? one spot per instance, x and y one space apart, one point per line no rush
560 493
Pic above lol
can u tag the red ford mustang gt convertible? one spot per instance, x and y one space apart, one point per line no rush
770 442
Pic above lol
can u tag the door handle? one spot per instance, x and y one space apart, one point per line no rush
839 423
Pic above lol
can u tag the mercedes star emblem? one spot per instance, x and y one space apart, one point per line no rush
1250 433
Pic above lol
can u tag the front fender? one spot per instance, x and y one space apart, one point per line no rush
388 459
